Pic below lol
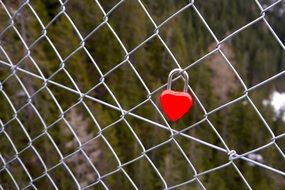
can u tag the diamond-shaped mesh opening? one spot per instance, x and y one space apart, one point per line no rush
82 169
143 58
31 85
182 41
46 150
98 150
80 62
68 37
122 141
80 13
147 133
166 158
133 14
31 159
42 52
126 75
79 120
274 17
100 101
232 12
6 145
140 112
62 77
12 45
147 178
63 135
44 97
62 177
27 69
20 173
46 11
19 97
6 180
102 55
242 137
197 148
31 121
201 130
70 93
27 25
256 66
20 141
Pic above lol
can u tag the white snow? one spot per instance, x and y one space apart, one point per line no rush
277 101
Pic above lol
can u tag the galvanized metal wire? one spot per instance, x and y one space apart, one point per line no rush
15 69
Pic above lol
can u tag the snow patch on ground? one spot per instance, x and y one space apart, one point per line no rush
277 101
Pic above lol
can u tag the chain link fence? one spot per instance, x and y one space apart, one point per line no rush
76 156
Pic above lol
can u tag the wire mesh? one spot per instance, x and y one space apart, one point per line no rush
78 149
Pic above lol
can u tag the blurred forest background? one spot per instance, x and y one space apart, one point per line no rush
254 53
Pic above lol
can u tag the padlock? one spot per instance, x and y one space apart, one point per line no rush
175 104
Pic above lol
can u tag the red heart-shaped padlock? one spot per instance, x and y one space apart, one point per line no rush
175 104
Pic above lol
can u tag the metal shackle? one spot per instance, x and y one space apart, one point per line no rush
178 71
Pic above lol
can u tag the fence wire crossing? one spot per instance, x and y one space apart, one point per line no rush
15 69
